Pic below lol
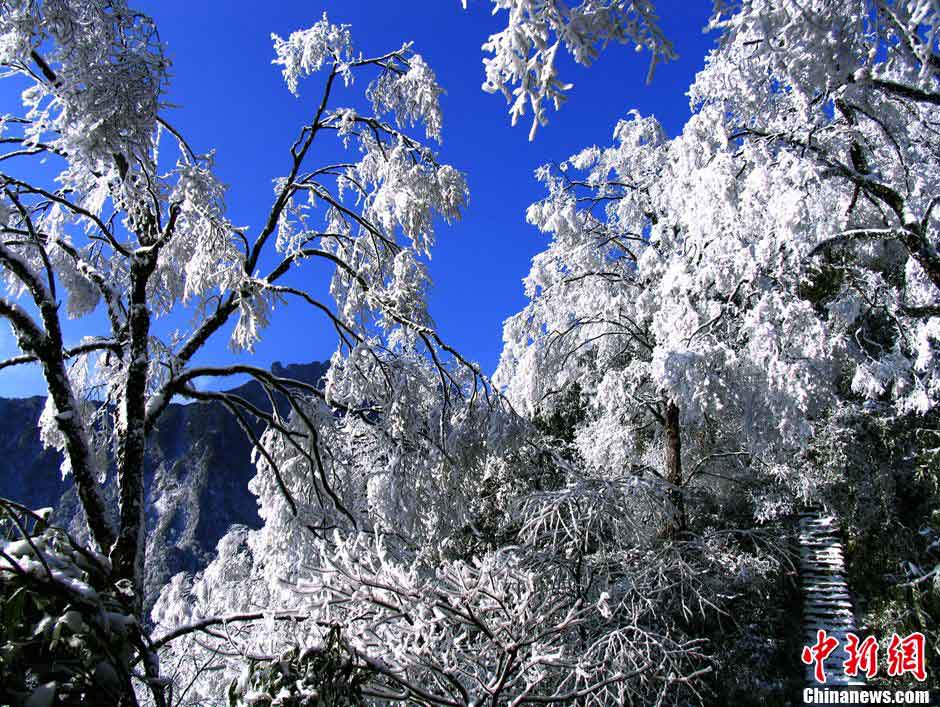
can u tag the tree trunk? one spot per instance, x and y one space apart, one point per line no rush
127 555
47 347
76 434
673 464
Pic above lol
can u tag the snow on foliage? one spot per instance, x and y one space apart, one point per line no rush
67 631
521 65
306 51
710 308
751 270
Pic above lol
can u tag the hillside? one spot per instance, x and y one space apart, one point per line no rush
197 472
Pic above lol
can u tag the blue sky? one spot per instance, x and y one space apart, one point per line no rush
231 99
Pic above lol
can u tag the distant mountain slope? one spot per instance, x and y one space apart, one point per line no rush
28 473
197 472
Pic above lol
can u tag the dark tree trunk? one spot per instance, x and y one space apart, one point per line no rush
127 554
673 464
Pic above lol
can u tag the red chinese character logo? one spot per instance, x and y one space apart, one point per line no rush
906 655
862 656
819 652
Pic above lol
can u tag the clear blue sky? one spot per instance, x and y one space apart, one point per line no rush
232 99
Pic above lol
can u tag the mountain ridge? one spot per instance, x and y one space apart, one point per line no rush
197 469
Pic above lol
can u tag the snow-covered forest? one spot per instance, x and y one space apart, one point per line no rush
724 329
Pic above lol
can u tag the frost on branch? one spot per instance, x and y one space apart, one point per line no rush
413 96
99 106
206 245
306 51
523 55
638 303
849 101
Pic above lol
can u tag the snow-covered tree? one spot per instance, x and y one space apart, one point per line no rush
732 288
565 599
718 306
127 220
